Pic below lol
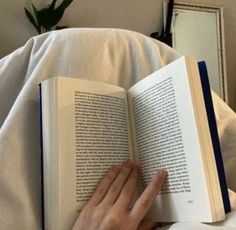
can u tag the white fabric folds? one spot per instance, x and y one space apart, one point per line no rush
114 56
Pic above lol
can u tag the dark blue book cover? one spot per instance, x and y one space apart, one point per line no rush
214 134
41 142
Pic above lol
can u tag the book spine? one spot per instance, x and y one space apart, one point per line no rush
214 134
41 143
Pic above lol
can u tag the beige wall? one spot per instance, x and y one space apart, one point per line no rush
140 15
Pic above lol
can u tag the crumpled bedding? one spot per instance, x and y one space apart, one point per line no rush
114 56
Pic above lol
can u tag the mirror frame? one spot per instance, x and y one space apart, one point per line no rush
218 10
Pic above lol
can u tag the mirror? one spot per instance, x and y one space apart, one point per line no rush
198 31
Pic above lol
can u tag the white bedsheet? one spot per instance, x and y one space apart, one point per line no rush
119 57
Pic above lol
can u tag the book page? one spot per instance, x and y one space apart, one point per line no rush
159 136
165 137
94 135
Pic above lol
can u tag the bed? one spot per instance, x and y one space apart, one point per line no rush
114 56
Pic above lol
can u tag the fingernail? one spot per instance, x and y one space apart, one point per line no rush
161 173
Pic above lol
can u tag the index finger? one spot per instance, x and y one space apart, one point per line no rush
145 201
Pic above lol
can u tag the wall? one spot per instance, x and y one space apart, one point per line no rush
15 30
140 15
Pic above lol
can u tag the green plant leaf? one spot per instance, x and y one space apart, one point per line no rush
46 18
52 5
31 19
59 11
36 12
49 16
61 27
63 5
34 9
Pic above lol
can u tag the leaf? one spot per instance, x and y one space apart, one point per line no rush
36 12
31 19
52 5
48 17
63 5
34 8
59 11
61 27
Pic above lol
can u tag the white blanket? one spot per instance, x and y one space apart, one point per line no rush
119 57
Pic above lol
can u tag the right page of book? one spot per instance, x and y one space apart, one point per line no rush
166 136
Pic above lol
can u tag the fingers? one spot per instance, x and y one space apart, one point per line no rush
128 190
104 185
118 183
147 198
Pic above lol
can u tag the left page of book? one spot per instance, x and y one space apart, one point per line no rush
92 134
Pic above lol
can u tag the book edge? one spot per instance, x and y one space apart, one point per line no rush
41 156
214 134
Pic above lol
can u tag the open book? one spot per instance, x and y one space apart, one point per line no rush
165 121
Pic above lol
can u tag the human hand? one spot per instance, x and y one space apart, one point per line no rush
109 206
